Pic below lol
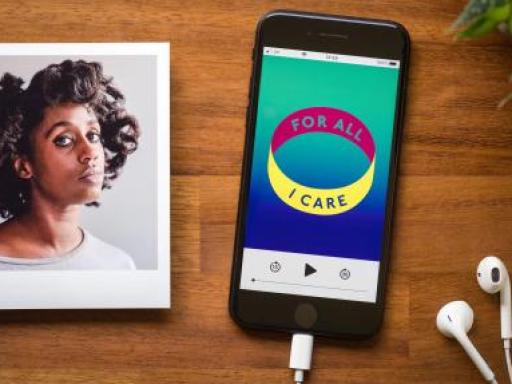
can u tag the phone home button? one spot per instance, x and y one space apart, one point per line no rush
305 315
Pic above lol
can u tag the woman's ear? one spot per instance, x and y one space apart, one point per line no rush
23 168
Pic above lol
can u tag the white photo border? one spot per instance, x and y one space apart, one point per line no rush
104 289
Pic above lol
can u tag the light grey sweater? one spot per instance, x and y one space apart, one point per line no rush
91 254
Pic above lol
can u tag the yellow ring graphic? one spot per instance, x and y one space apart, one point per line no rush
320 201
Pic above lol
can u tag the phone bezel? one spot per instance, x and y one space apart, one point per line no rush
321 33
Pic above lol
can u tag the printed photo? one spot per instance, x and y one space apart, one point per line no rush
84 166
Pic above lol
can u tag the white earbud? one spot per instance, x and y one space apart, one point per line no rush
492 276
455 320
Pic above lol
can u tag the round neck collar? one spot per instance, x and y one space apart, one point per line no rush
49 259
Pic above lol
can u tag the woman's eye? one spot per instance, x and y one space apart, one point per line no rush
94 137
62 141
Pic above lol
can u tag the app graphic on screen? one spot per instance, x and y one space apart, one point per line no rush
319 178
313 200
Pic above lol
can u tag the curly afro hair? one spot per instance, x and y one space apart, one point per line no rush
22 110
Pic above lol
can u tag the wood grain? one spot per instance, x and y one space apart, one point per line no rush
454 205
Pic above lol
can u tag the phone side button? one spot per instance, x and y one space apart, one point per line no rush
305 315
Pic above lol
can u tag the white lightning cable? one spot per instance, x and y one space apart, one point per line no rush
301 352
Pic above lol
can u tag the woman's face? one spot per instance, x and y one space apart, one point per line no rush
68 162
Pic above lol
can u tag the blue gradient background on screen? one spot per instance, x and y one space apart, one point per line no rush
321 160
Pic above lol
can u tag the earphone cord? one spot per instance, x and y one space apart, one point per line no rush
506 344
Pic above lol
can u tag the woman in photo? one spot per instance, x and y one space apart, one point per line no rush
63 140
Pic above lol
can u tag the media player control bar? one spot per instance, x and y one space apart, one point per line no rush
309 275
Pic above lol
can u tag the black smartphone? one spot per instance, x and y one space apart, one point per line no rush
320 163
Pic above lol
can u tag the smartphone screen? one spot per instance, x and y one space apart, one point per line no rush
318 184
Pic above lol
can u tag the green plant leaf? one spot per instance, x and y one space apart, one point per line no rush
475 9
479 27
498 14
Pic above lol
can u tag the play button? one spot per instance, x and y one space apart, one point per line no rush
308 270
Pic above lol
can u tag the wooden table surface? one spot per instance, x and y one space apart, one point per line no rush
454 205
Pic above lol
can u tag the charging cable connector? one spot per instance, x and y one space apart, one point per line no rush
301 353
